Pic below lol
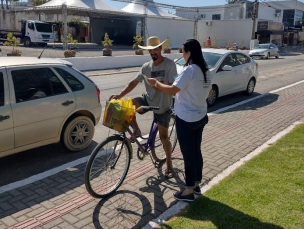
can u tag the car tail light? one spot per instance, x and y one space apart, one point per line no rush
98 94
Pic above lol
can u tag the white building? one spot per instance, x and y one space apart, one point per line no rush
280 22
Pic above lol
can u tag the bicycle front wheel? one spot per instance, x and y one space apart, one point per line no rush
157 150
107 167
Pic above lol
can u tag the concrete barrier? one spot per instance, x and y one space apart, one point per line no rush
108 62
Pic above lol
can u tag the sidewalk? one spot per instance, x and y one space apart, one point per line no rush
61 201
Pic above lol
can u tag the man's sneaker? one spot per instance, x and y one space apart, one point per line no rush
196 191
187 198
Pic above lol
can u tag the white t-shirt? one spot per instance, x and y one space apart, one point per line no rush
190 102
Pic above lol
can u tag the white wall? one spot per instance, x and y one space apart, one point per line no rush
108 62
237 30
177 30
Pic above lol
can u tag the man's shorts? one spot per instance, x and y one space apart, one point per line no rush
162 119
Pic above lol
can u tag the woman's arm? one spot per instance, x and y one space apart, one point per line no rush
168 89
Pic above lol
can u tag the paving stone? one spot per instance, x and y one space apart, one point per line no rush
227 138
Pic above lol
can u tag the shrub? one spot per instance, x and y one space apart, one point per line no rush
107 42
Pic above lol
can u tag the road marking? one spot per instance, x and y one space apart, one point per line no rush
66 166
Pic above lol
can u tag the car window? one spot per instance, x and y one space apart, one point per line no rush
36 83
71 80
241 59
229 60
1 90
210 58
262 46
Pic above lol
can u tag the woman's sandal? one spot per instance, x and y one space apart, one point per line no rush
169 173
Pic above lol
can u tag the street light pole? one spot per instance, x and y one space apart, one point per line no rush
254 19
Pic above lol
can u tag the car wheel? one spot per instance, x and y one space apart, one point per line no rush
27 42
250 86
213 95
268 56
78 133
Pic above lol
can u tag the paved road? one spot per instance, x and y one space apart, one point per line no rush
273 74
60 200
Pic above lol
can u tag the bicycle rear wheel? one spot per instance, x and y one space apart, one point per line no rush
157 150
107 167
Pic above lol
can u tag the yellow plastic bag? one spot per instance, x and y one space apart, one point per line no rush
118 114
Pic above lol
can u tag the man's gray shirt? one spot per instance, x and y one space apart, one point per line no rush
164 73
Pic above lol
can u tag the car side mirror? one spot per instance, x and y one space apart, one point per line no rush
227 68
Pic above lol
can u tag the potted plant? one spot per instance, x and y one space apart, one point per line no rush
180 50
168 48
12 41
70 52
138 40
107 42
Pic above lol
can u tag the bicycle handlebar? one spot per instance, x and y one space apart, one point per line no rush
146 108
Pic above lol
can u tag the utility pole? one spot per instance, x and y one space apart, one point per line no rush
254 19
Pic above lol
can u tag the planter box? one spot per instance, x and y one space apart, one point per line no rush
107 52
12 54
167 50
67 55
139 52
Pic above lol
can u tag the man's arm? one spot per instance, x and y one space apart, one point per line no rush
169 89
132 84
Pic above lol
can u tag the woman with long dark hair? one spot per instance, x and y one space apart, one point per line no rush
191 89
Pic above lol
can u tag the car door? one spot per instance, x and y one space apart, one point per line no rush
272 50
6 117
41 103
225 79
242 72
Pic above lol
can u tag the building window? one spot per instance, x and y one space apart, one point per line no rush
216 17
1 90
203 16
288 17
299 17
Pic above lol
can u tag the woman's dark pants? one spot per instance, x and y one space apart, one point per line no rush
190 138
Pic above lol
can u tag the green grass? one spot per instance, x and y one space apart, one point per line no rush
267 192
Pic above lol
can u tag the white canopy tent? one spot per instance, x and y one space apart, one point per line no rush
84 4
147 7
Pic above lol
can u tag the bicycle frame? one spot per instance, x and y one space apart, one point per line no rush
144 147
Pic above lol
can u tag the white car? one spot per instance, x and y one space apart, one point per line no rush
44 101
232 71
265 51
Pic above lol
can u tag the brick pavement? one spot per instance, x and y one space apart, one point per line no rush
61 201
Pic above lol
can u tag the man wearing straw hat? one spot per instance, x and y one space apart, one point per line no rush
164 70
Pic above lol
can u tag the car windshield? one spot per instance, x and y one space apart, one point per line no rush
43 27
210 58
264 46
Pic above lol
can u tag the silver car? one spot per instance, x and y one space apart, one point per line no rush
265 51
232 71
44 101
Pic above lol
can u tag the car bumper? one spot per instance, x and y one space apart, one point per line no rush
257 55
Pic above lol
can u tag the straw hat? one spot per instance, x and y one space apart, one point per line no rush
153 43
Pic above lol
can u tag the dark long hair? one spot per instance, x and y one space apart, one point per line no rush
194 47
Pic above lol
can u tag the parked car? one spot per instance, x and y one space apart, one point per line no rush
265 51
232 71
44 101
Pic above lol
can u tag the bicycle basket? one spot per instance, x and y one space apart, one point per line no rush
117 117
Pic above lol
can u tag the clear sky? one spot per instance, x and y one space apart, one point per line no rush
120 5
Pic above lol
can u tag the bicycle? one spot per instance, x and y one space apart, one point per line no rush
112 157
